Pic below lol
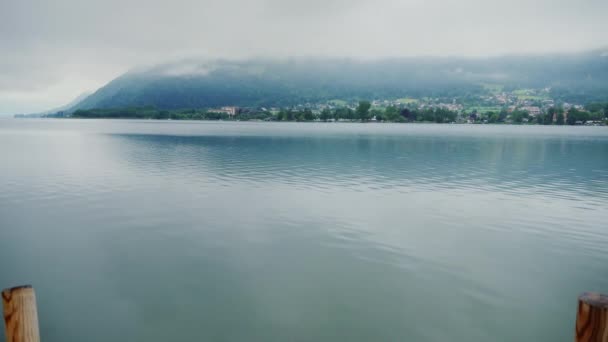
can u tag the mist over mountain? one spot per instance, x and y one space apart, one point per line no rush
576 78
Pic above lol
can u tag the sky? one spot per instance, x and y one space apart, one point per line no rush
53 51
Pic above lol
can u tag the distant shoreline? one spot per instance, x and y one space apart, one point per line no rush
311 122
364 111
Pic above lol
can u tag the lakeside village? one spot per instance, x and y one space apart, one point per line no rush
524 106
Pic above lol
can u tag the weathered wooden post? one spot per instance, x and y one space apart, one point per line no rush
592 318
20 314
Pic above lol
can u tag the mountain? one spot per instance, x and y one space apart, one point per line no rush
577 78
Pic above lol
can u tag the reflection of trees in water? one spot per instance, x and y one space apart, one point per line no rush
486 162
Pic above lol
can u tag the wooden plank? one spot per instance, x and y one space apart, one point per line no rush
20 314
592 318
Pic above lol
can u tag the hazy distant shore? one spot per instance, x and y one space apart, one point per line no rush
363 112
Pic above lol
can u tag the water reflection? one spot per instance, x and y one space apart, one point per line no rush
548 167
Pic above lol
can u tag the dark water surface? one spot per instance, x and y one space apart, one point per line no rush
192 231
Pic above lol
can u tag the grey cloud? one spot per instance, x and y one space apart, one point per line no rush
57 49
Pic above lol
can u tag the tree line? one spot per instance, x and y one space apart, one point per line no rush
363 112
553 116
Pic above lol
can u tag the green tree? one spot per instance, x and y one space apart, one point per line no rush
362 110
560 118
502 115
411 115
299 116
282 116
539 119
548 117
308 115
598 107
325 114
518 116
344 113
290 115
391 113
492 117
596 116
378 114
575 115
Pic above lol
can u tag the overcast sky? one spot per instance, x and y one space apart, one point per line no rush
53 50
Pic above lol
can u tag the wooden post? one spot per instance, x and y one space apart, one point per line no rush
592 318
20 314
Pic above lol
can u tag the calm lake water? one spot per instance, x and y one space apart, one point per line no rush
192 231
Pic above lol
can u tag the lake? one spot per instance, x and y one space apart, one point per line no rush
191 231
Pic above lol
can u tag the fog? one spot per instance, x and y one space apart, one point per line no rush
51 52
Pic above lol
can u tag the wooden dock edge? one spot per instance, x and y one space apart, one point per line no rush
20 314
592 318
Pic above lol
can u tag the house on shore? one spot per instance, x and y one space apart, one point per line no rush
532 110
230 110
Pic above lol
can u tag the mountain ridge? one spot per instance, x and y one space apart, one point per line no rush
194 83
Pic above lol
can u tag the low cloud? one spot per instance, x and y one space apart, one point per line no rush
56 50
